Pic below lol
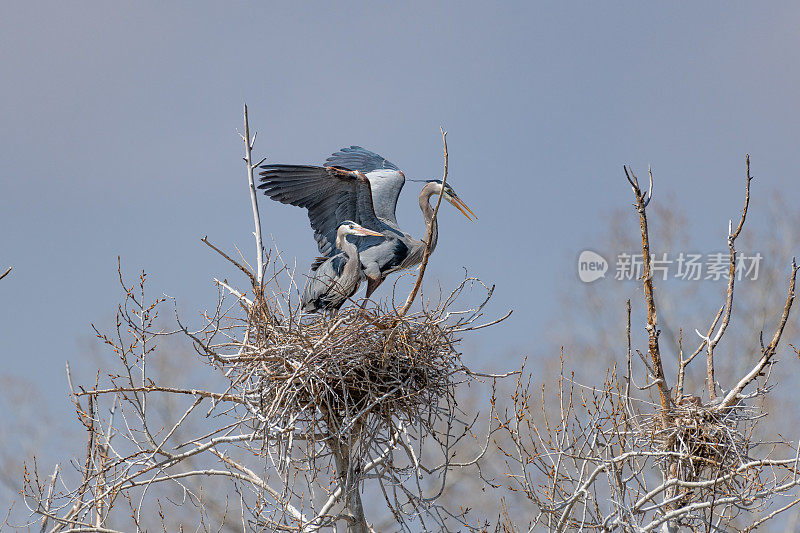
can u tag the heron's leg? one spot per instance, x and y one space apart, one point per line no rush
372 284
374 278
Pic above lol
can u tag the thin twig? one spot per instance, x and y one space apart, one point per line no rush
248 147
428 236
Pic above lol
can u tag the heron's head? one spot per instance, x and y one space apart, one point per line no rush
348 227
449 194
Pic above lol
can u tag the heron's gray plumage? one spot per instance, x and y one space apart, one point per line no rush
332 281
385 179
328 287
357 158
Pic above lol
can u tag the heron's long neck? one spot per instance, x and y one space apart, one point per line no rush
348 248
427 211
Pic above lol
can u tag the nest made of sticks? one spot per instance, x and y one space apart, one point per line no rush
706 442
356 364
312 373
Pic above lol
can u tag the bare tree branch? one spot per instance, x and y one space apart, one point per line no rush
248 159
428 236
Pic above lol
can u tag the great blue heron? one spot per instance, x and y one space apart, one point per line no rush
356 184
336 279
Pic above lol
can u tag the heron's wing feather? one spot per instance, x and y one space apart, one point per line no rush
357 158
384 176
386 186
365 207
331 196
318 262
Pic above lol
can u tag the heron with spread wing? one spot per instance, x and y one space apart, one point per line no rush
359 185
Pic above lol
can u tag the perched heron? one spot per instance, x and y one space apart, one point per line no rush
336 279
359 185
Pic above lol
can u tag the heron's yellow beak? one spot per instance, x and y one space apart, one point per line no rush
365 231
461 206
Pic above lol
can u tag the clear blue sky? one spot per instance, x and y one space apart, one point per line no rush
118 138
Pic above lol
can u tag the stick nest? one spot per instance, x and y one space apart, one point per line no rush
355 365
314 373
705 442
708 441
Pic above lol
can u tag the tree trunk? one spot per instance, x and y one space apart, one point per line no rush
349 481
